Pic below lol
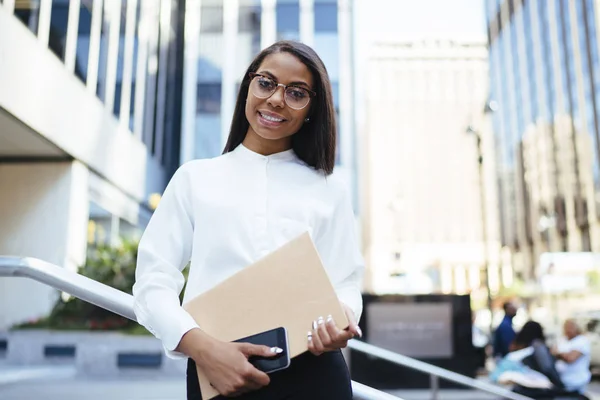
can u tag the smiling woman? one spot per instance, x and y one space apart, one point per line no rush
272 182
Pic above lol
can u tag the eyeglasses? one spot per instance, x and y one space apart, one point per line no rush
295 97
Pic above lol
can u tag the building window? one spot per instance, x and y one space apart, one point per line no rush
29 13
103 56
57 38
249 23
83 42
211 19
288 21
326 17
209 98
120 59
249 19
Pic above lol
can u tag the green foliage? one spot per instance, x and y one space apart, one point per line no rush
112 265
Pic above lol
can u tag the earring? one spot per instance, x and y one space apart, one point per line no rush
307 120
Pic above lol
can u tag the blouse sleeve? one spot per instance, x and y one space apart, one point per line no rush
164 251
339 249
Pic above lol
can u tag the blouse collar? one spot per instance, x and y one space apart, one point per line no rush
286 155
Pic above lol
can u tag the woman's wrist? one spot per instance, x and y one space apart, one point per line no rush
194 343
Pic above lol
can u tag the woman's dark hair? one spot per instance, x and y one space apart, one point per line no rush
315 142
530 332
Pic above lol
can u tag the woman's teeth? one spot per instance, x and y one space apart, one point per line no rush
269 118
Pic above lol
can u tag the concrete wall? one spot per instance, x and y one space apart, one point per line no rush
43 214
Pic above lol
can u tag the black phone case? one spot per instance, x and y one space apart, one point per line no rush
273 338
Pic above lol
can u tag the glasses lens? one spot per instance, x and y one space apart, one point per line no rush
296 97
263 87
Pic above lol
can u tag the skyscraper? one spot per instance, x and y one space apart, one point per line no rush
422 200
89 129
545 77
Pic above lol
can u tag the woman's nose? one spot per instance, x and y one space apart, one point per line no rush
277 99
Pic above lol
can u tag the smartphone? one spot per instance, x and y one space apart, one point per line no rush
273 338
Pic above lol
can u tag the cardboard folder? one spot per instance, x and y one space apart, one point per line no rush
289 287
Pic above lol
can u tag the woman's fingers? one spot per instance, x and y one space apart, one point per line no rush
314 341
352 323
338 336
326 336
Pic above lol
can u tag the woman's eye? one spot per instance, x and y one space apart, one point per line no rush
297 93
265 83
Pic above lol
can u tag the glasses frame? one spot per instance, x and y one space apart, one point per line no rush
310 92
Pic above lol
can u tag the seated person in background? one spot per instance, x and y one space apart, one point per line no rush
530 332
573 357
521 348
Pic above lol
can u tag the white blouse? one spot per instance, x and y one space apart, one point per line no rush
225 213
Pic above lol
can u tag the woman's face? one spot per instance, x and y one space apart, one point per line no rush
271 118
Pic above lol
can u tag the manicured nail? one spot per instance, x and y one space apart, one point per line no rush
320 321
359 331
314 325
309 336
329 319
276 350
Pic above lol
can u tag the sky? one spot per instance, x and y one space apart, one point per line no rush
386 19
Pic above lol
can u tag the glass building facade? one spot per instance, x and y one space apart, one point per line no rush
129 55
544 72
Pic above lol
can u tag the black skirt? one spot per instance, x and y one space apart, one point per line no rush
325 377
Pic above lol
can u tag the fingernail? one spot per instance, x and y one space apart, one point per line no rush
309 336
276 350
359 331
320 321
314 325
329 318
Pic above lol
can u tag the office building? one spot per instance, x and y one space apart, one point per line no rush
545 78
89 129
422 212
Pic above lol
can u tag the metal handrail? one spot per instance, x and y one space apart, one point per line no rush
111 299
433 371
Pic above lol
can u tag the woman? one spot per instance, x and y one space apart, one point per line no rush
272 183
520 349
529 333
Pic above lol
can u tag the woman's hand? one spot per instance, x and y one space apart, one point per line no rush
225 364
326 336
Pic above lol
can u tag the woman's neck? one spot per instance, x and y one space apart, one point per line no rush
266 147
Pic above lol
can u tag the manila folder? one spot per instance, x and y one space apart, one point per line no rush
288 287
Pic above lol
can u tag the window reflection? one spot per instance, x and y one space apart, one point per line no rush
121 59
103 56
210 67
83 40
29 13
326 17
59 18
211 18
288 21
249 22
209 98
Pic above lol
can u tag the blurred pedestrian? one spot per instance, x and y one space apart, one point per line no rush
505 333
